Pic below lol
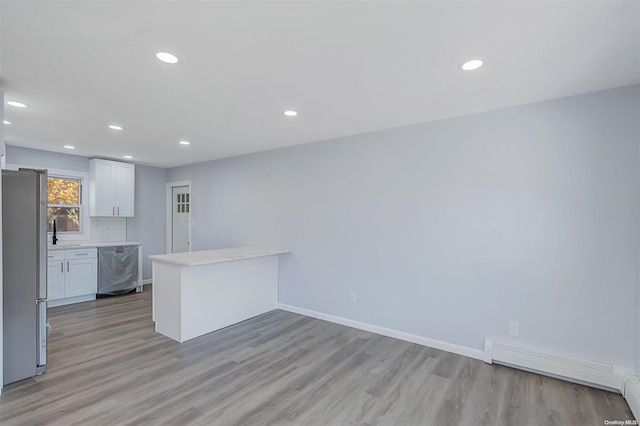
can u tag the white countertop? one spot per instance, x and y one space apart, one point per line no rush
206 257
86 244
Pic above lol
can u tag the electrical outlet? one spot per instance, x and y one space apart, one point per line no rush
514 328
352 297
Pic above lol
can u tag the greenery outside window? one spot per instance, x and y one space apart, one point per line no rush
64 204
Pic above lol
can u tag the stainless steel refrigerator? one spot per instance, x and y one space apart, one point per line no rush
24 258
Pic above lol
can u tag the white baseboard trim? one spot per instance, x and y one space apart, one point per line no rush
147 281
413 338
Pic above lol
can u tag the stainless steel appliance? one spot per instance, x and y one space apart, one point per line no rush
24 256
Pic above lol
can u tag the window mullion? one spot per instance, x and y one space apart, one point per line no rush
78 206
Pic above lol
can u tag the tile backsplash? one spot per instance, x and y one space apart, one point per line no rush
105 229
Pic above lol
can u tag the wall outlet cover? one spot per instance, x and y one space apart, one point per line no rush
514 328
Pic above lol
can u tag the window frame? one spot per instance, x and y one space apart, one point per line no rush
85 224
78 206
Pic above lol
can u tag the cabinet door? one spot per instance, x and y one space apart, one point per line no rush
125 184
81 277
55 280
102 191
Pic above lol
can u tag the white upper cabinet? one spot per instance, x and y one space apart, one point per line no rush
102 188
111 188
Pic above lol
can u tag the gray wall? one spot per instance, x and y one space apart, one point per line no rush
51 160
148 225
450 229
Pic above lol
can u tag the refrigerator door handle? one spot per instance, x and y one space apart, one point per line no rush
41 229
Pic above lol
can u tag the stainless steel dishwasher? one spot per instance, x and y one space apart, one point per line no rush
117 270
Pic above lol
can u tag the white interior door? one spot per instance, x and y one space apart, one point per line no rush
181 208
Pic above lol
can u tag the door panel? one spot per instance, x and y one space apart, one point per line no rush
181 213
104 190
20 274
81 277
55 280
124 176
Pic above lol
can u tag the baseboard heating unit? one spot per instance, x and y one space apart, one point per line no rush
631 392
591 373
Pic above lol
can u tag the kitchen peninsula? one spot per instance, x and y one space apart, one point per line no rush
195 293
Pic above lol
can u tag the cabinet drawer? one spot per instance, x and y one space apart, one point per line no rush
53 255
88 253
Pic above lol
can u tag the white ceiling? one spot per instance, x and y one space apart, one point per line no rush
346 67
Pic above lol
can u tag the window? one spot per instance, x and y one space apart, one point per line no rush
182 203
64 204
67 201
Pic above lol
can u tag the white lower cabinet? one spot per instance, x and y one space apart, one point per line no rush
72 276
55 280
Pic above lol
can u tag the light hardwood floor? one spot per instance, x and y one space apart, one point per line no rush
107 366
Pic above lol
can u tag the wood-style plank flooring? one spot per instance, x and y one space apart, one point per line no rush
107 366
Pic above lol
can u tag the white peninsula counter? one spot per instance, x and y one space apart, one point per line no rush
195 293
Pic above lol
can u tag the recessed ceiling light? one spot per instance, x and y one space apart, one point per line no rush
115 127
17 104
70 147
167 57
290 113
471 65
6 122
128 157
